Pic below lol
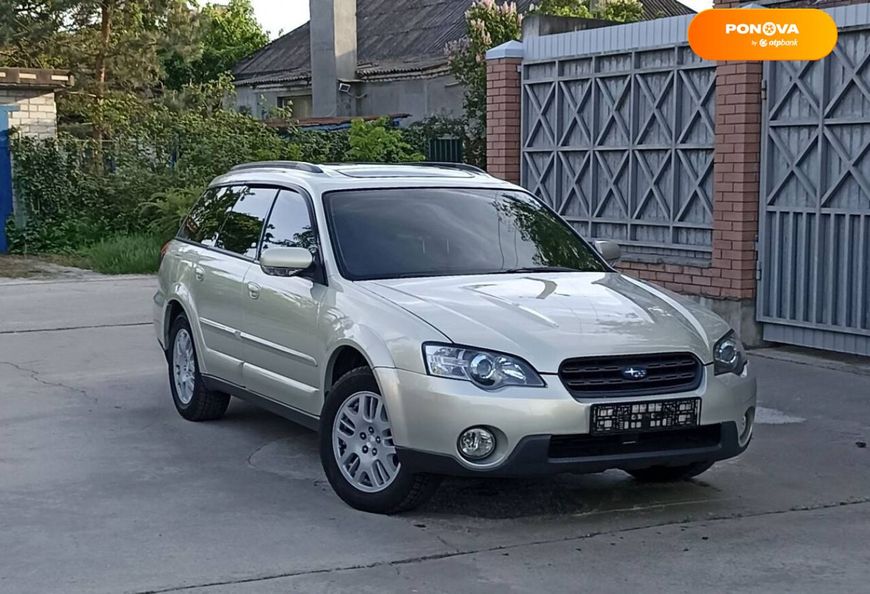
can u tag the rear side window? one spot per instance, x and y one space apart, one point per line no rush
243 224
207 216
290 223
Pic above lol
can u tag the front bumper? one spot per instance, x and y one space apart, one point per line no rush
539 454
531 424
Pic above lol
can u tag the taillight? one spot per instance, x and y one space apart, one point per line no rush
163 251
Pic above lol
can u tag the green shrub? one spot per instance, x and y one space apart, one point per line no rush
165 211
72 192
123 254
319 146
378 142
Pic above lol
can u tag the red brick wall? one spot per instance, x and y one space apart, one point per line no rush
688 280
503 119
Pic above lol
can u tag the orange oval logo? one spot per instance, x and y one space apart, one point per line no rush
762 34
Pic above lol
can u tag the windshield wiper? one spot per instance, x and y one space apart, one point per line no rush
539 269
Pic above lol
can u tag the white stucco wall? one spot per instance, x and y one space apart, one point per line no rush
421 98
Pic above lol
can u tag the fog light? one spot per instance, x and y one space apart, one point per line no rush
476 443
744 427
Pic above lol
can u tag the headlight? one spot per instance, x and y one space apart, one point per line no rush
728 355
488 370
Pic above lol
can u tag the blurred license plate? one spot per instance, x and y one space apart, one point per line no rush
634 417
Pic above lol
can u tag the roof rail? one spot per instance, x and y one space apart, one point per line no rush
294 165
446 165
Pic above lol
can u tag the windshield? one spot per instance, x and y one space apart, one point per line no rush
412 232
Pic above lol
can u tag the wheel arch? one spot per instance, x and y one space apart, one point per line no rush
344 357
172 309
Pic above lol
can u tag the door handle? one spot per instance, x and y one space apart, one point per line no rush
198 273
253 290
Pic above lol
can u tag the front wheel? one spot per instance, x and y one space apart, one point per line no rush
667 474
357 450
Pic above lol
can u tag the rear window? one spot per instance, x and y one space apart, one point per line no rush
229 218
243 224
207 216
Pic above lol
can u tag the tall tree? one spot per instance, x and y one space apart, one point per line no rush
28 31
622 11
228 33
111 46
116 48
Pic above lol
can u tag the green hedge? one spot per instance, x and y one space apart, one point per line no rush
73 193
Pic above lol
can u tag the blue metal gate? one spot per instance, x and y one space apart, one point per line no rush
5 173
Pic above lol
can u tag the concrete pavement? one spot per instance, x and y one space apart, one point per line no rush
104 488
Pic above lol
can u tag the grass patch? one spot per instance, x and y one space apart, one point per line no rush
123 254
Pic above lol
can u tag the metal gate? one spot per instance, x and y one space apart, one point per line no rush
618 131
5 174
814 251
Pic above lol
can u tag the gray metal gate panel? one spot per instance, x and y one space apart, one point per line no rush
621 144
815 198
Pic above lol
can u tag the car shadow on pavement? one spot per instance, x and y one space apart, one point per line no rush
559 495
295 456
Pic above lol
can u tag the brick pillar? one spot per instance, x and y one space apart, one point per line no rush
503 92
736 178
736 169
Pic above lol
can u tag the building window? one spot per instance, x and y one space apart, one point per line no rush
300 105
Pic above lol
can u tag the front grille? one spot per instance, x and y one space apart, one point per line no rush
583 446
602 377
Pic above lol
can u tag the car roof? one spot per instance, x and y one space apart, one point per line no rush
320 178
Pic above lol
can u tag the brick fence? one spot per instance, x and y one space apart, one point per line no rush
736 161
728 283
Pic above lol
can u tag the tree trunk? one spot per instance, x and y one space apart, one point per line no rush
107 9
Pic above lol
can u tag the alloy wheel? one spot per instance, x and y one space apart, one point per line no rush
362 441
183 366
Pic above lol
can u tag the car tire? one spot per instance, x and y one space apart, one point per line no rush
667 474
401 490
192 400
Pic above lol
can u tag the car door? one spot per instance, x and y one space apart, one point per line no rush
284 349
226 229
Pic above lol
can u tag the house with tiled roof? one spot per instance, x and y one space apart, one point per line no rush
370 57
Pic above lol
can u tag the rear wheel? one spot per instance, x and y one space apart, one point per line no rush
192 400
666 474
358 453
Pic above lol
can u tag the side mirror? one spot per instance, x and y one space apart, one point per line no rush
609 250
285 261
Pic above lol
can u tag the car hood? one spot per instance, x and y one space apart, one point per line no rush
546 318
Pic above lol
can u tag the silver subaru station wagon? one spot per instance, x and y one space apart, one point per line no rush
432 320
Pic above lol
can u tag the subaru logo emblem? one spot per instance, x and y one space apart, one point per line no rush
634 373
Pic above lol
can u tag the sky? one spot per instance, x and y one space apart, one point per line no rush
282 16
